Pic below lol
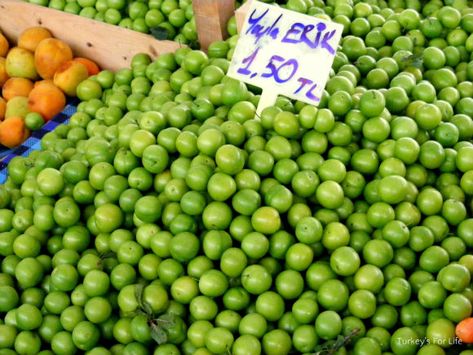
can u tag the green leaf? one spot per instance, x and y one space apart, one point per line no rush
415 60
158 334
160 33
330 347
142 304
340 341
193 45
145 306
139 294
106 255
322 349
418 63
167 320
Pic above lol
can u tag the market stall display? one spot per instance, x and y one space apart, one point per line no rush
36 76
166 217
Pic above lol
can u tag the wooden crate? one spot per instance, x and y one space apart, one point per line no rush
211 17
241 14
112 47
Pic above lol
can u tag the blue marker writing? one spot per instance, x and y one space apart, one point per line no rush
310 93
299 33
258 30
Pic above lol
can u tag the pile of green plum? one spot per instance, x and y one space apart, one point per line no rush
166 217
166 19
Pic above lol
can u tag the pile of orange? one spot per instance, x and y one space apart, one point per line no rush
35 78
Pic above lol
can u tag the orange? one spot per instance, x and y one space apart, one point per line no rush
47 100
30 38
464 330
17 87
4 46
13 132
91 66
3 108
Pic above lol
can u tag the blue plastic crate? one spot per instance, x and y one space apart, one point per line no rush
34 141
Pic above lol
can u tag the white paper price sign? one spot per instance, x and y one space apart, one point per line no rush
285 53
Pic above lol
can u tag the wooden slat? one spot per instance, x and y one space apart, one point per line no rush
211 17
112 47
241 13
